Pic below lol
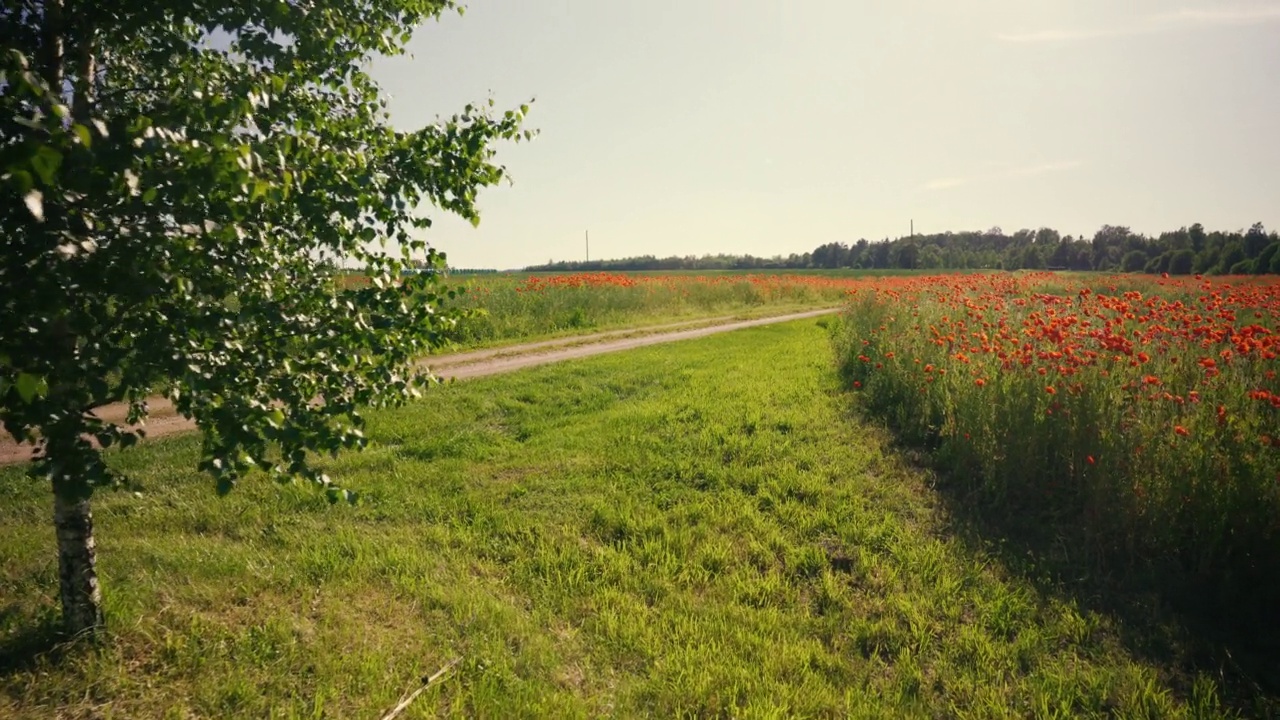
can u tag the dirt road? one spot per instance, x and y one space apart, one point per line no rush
462 366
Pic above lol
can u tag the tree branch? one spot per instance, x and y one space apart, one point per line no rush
86 69
52 42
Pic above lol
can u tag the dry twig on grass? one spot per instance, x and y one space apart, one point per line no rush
426 683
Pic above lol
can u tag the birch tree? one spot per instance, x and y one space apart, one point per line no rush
177 182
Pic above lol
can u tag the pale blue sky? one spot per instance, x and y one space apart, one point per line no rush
770 127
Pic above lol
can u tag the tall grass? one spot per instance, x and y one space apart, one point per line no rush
1142 413
518 306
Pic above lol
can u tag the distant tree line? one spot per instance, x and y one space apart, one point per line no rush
689 262
1113 248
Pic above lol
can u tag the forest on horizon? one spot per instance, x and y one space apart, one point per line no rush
1112 248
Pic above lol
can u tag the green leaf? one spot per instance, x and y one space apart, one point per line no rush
82 133
45 162
22 181
31 387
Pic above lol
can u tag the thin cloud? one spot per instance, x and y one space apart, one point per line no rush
1050 36
1225 16
1045 168
944 183
1029 171
1187 17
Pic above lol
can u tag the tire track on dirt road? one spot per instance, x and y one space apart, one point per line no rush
164 420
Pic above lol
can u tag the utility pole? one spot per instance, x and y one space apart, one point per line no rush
588 232
913 229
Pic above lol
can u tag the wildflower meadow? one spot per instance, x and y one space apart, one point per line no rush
1143 412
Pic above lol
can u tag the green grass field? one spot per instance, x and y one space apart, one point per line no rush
513 307
517 307
697 529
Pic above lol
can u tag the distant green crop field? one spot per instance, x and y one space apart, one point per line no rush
818 272
515 306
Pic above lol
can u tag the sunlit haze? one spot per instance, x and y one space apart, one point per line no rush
678 127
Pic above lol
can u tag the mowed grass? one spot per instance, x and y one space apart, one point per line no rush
696 529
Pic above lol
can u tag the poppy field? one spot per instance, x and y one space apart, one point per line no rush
511 306
1142 413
